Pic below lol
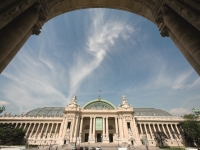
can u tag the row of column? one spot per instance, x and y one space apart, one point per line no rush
40 130
182 32
170 130
16 33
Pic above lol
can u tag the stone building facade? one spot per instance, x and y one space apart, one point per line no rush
98 121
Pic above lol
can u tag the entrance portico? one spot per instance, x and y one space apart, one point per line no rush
95 125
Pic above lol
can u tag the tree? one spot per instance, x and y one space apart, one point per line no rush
160 137
191 129
10 135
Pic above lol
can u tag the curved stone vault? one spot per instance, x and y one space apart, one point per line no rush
177 19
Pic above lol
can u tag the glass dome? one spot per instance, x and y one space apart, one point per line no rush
150 112
99 104
46 112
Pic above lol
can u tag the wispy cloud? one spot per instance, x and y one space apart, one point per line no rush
101 37
179 111
3 103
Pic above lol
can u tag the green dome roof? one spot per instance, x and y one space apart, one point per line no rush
99 104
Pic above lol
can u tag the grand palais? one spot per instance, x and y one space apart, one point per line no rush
98 121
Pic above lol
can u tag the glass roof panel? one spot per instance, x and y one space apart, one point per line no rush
150 112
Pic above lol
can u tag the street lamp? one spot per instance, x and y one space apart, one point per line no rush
174 135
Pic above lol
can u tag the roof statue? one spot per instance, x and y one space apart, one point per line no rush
124 100
74 99
124 104
73 104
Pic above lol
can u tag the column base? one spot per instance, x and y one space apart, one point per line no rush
105 140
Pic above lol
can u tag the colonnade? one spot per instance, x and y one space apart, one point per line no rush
150 129
39 130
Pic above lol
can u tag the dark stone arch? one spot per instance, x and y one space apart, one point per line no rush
178 19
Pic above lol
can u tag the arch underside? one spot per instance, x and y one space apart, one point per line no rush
141 7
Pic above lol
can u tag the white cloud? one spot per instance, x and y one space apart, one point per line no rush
102 36
179 111
4 103
180 86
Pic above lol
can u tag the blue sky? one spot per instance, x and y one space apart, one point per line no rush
84 51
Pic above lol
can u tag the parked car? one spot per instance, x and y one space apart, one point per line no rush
75 148
98 148
80 148
85 148
92 148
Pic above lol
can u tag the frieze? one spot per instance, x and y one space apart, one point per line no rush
14 11
127 118
158 7
185 12
148 3
42 11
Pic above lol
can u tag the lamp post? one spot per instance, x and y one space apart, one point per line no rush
174 135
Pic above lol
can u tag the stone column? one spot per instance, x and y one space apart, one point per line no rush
47 130
80 130
122 129
177 129
37 130
12 54
173 131
64 127
164 129
145 128
135 128
76 127
15 31
169 131
158 127
116 125
25 126
56 130
150 131
16 125
81 126
94 127
90 134
61 128
125 128
51 130
188 36
141 128
20 125
107 127
103 127
32 129
41 134
154 128
185 53
28 129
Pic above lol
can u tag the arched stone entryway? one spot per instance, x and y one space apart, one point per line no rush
177 19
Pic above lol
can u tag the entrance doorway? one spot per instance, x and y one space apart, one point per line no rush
86 137
132 142
99 137
111 137
64 141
